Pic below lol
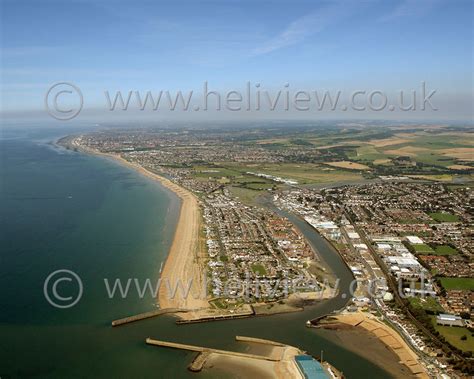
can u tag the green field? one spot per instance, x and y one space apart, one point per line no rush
219 304
258 269
367 153
444 250
428 149
245 195
457 283
453 335
444 217
422 248
372 146
258 185
306 173
213 171
438 250
432 151
428 304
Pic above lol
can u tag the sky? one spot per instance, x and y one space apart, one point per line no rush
144 46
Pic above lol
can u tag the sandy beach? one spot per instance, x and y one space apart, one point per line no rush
182 269
264 359
238 367
361 329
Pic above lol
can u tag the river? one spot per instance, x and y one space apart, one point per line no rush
66 210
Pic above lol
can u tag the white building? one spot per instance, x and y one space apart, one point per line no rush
414 240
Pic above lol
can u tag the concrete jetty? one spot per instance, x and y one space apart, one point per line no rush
281 363
259 340
158 312
198 363
215 318
142 316
201 349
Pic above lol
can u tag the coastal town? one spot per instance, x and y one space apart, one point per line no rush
254 255
251 243
398 233
237 189
406 240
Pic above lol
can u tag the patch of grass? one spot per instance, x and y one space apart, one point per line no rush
258 269
437 142
428 304
444 250
273 146
271 141
422 248
244 179
435 178
453 335
224 258
454 187
245 195
212 171
304 173
434 159
367 153
383 162
444 217
219 304
458 283
347 165
258 186
223 180
301 142
339 246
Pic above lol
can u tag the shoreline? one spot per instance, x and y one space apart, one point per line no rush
349 325
181 269
182 265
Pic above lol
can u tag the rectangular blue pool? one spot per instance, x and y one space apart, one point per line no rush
310 367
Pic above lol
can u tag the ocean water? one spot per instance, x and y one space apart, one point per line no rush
66 210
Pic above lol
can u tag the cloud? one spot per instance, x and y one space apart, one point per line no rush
409 8
306 26
216 44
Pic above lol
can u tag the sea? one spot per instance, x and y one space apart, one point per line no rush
65 210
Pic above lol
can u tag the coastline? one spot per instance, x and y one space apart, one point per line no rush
182 288
182 264
352 328
181 270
